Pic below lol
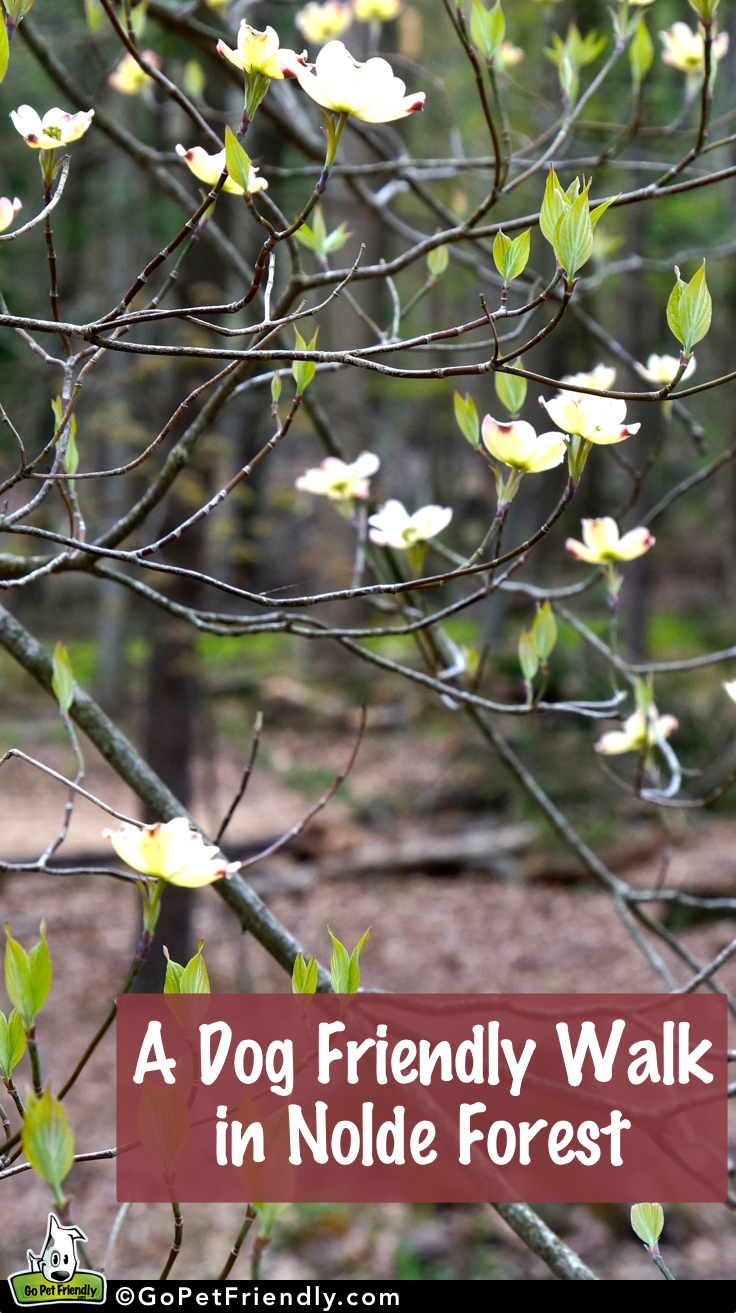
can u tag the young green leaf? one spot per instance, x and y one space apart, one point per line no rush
4 47
511 257
174 973
344 969
62 678
689 309
275 386
641 52
93 13
487 28
573 244
194 80
28 976
437 261
303 370
554 204
544 631
647 1221
12 1042
353 967
467 419
71 453
17 9
194 977
304 975
48 1142
237 161
511 390
528 656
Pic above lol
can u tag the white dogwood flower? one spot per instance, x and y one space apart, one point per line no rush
602 377
638 734
518 445
259 52
598 420
367 91
393 526
8 211
662 369
321 23
56 128
209 167
601 542
172 852
339 480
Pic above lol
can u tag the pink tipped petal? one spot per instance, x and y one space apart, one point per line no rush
635 543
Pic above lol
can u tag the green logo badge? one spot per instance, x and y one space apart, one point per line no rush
53 1276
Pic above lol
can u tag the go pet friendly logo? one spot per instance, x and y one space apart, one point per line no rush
53 1276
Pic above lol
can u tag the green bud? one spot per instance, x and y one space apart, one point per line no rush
647 1221
705 9
303 370
28 976
71 454
641 51
17 9
437 261
304 976
195 80
275 386
487 28
528 656
689 309
62 678
544 631
467 419
48 1142
267 1215
12 1042
511 257
344 969
93 13
511 389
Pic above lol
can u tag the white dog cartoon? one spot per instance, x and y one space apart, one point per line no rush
58 1258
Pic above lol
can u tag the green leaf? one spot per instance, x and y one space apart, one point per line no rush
689 309
303 370
528 656
174 973
12 1042
48 1142
487 28
467 419
4 47
194 977
27 975
437 261
62 679
641 52
339 966
336 239
513 260
17 9
544 631
554 205
304 975
195 79
267 1215
573 244
647 1221
237 161
353 967
93 12
71 454
511 390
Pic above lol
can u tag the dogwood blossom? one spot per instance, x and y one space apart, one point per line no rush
129 78
259 52
172 851
685 49
339 481
56 128
601 542
662 369
8 211
638 734
518 445
730 688
209 167
367 91
598 420
321 23
507 55
602 377
393 526
377 11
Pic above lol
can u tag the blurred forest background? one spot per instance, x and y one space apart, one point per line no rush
430 840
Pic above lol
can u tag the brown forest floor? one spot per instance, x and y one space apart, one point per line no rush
471 931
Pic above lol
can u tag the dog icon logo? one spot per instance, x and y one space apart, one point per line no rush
54 1275
58 1258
